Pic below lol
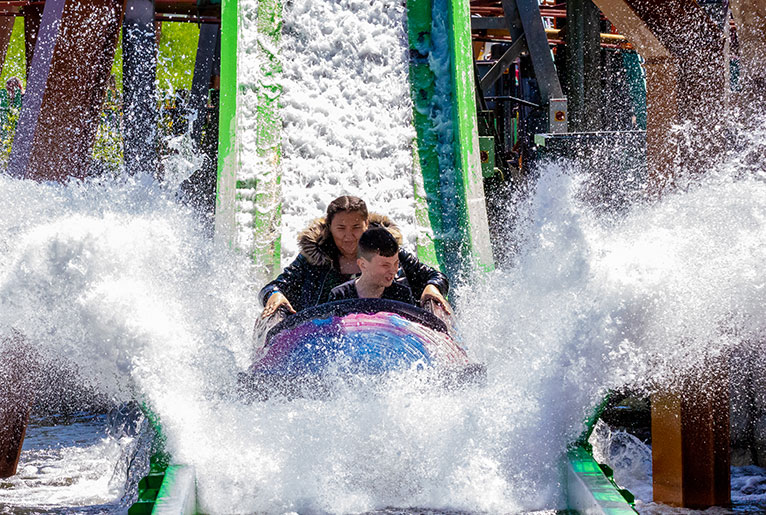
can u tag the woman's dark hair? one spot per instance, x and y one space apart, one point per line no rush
346 203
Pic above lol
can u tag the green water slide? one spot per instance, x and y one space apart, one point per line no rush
589 486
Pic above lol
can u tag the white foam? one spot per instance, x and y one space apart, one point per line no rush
347 113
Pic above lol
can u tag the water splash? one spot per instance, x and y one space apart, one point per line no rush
118 279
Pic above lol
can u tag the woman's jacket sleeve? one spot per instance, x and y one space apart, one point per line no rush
288 283
419 275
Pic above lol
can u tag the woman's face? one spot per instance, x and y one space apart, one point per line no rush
346 229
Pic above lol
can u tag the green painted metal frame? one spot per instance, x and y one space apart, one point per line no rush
268 205
472 215
473 210
178 492
228 158
263 191
425 156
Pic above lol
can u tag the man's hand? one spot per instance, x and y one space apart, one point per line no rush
431 292
276 300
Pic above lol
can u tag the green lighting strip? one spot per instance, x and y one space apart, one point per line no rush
228 158
590 488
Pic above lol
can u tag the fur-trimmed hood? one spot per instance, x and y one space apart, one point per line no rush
319 249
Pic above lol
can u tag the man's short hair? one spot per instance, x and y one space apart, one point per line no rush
377 240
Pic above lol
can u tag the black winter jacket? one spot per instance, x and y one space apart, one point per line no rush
307 281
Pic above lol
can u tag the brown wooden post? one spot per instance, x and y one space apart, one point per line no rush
750 19
70 50
157 33
15 401
67 81
32 16
690 441
6 29
687 83
662 115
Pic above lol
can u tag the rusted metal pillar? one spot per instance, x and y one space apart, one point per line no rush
15 401
583 58
67 81
687 86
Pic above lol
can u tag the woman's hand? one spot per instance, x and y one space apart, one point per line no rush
431 292
276 301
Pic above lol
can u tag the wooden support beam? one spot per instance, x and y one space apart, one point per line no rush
690 441
6 29
68 78
687 84
139 64
15 401
750 19
32 17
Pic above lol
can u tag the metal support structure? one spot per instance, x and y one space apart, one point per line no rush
512 23
204 64
67 82
139 64
583 54
506 60
523 22
539 50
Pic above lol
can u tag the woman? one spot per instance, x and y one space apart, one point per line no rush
328 259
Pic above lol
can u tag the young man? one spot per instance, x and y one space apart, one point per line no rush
378 260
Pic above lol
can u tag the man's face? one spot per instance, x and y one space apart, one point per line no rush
380 270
